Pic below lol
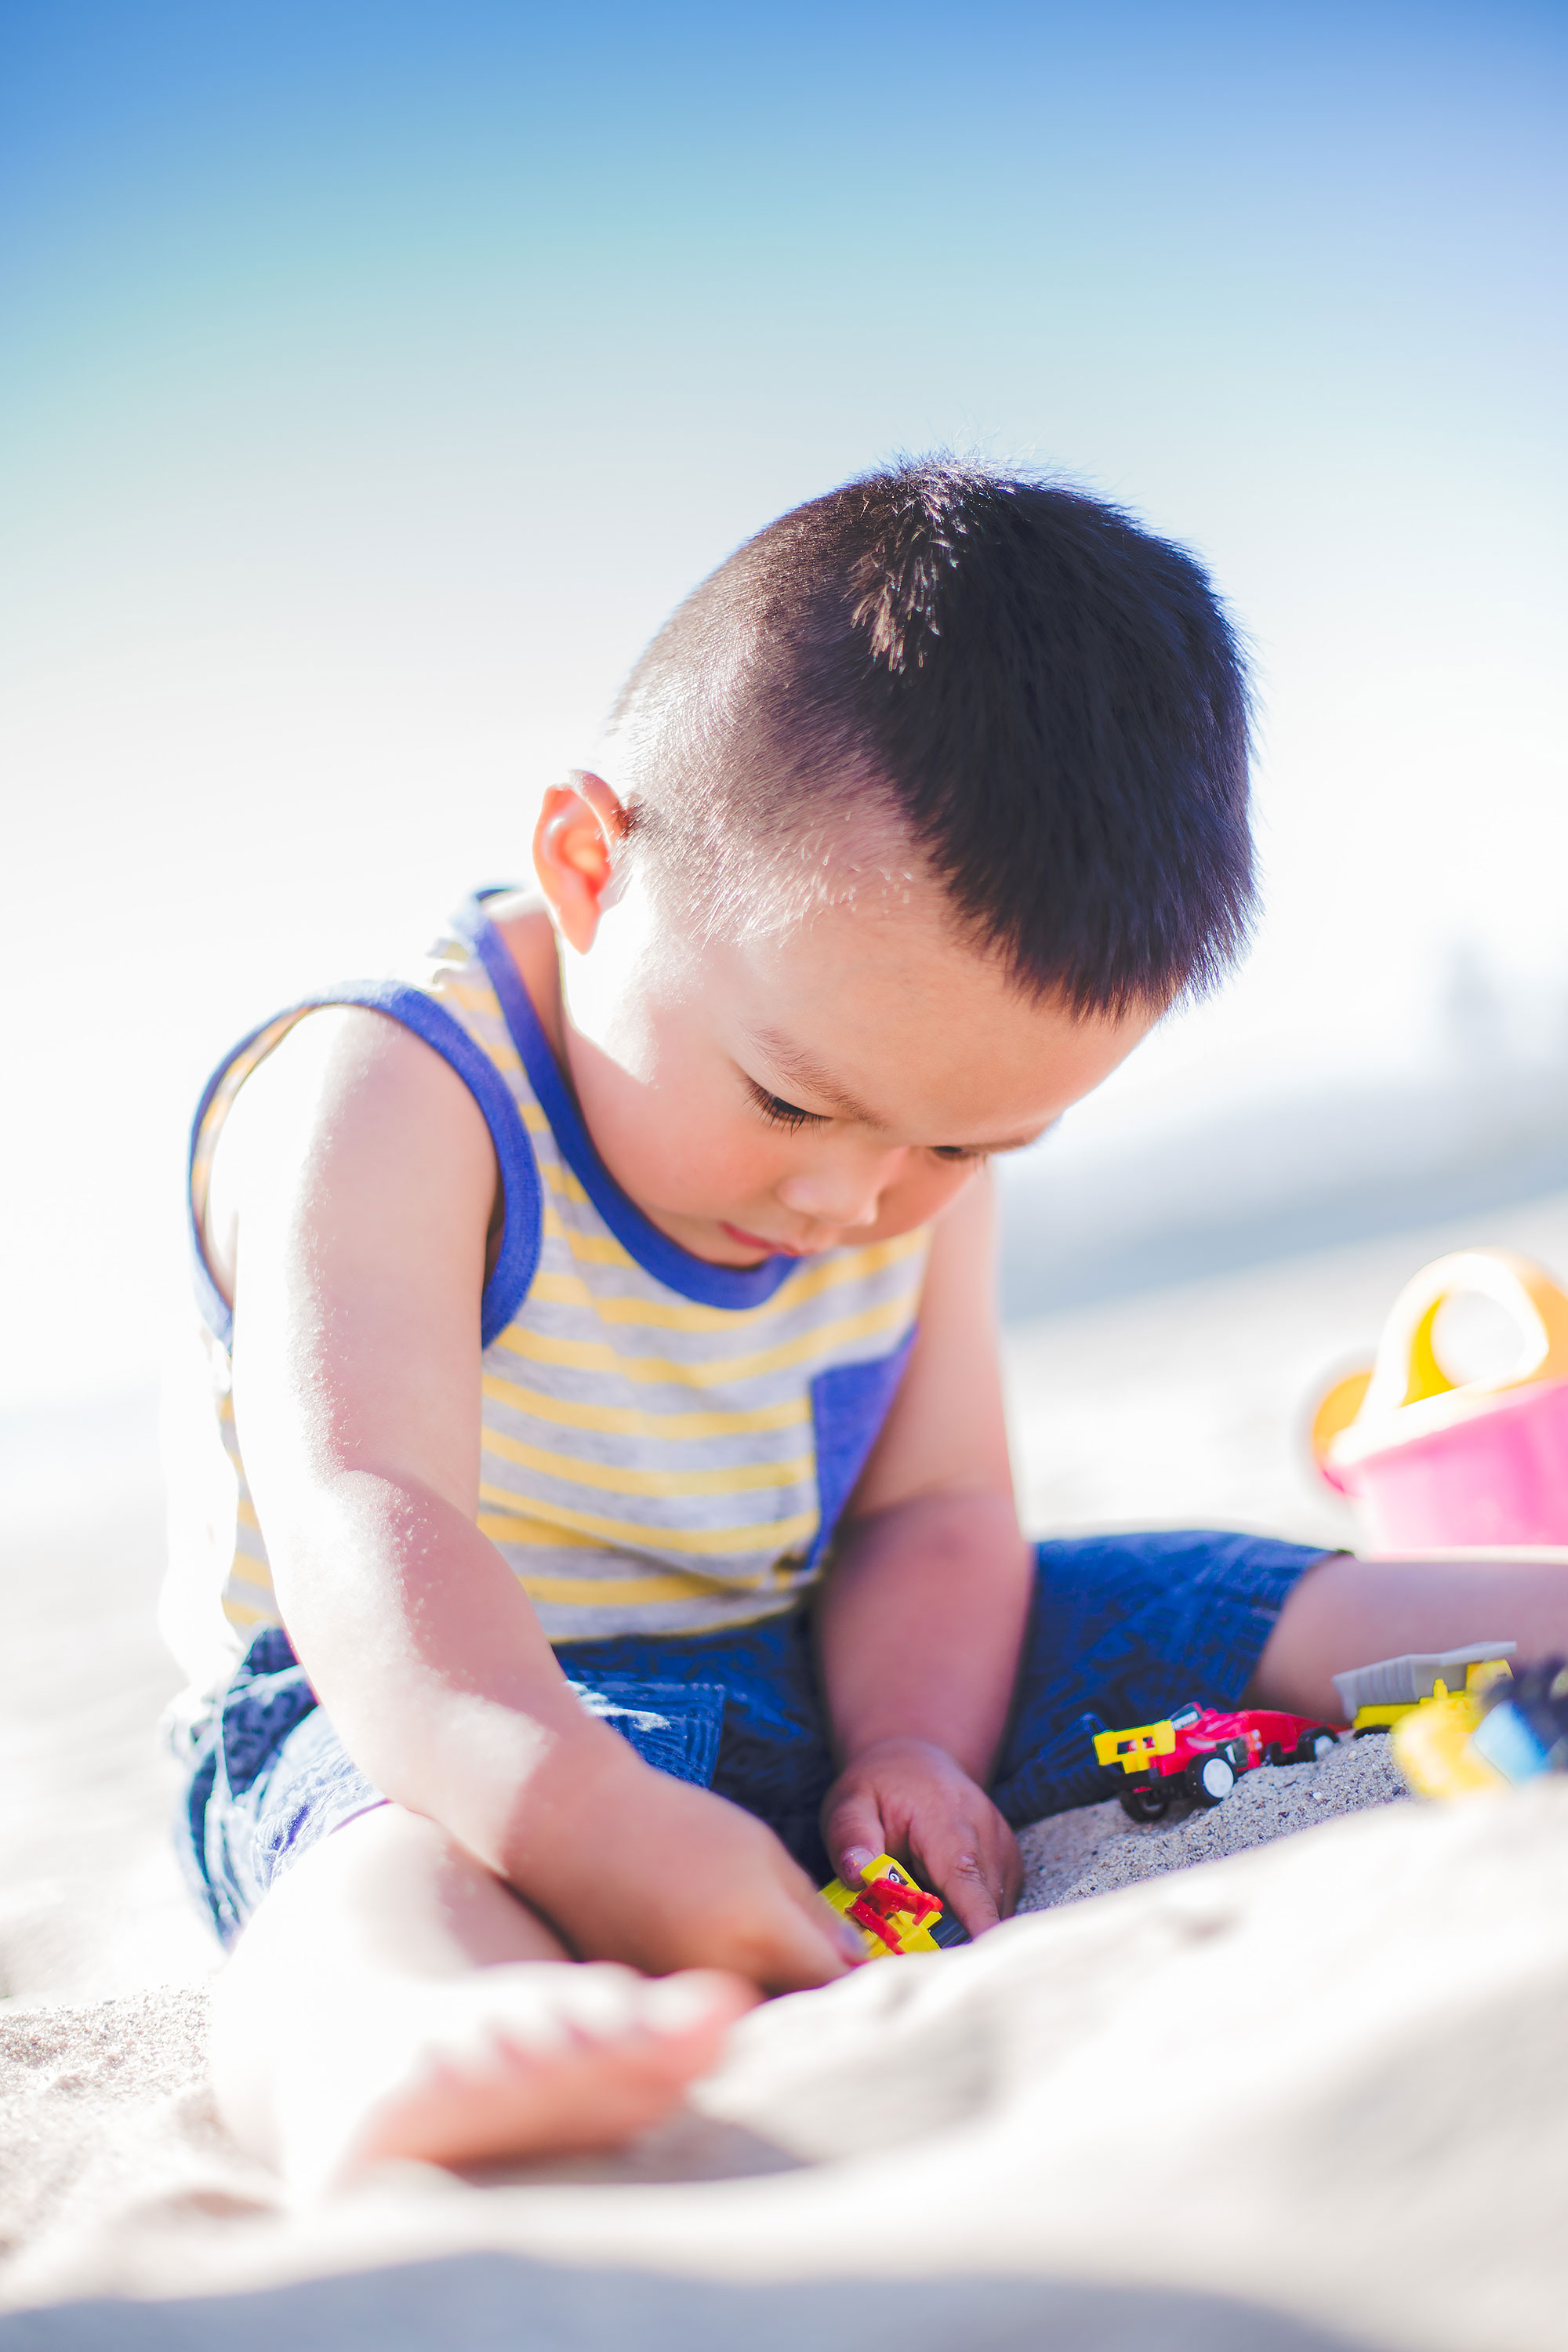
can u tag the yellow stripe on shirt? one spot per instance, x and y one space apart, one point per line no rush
735 1478
472 996
619 1591
593 1356
773 1535
672 1313
629 1420
589 1249
512 1526
240 1613
560 1178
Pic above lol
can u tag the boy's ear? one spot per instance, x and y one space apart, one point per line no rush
580 823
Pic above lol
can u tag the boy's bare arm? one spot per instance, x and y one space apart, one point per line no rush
352 1196
922 1616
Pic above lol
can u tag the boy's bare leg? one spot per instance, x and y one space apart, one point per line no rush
392 1998
1351 1612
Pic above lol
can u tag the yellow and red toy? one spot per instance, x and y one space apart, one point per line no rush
895 1916
1435 1742
1198 1751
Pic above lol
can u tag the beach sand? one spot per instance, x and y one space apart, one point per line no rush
1182 1408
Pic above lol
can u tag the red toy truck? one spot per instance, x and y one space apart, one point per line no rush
1198 1751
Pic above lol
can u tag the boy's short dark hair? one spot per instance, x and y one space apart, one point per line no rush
1047 700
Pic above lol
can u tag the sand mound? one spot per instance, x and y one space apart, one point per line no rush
1314 2096
1098 1849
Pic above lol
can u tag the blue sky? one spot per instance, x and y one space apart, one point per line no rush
375 379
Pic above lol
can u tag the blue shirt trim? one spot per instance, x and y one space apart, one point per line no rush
678 1269
521 1201
849 1404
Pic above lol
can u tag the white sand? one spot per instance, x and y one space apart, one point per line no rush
1313 2096
114 2179
1096 1849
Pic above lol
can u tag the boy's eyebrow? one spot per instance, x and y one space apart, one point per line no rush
804 1070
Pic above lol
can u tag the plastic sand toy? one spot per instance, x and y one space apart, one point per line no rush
894 1915
1503 1731
1376 1697
1199 1751
1432 1743
1438 1464
1523 1731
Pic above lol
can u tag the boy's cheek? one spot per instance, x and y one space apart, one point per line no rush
923 1195
665 1144
715 1173
677 1165
684 1147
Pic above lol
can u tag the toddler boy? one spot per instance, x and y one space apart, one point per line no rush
606 1525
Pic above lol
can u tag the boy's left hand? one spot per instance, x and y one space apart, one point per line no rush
909 1798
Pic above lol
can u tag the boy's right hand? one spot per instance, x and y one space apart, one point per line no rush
663 1875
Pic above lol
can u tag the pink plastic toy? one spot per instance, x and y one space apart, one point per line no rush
1439 1465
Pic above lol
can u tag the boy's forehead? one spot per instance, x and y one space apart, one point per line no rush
882 1012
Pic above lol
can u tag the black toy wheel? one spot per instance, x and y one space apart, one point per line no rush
1275 1754
1210 1778
1144 1804
1314 1745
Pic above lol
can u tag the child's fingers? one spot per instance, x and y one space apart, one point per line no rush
854 1833
805 1945
970 1889
974 1864
846 1940
782 1936
948 1827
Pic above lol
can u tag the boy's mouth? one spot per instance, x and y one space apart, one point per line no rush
758 1242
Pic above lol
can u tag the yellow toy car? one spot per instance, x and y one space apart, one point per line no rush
1461 1721
1435 1745
893 1914
1375 1698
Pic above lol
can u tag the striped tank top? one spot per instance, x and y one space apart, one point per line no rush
667 1444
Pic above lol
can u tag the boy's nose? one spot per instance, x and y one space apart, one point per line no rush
843 1193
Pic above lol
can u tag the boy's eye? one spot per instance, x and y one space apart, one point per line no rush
779 1113
955 1151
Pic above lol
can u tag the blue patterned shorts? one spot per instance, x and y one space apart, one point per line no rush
1122 1627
